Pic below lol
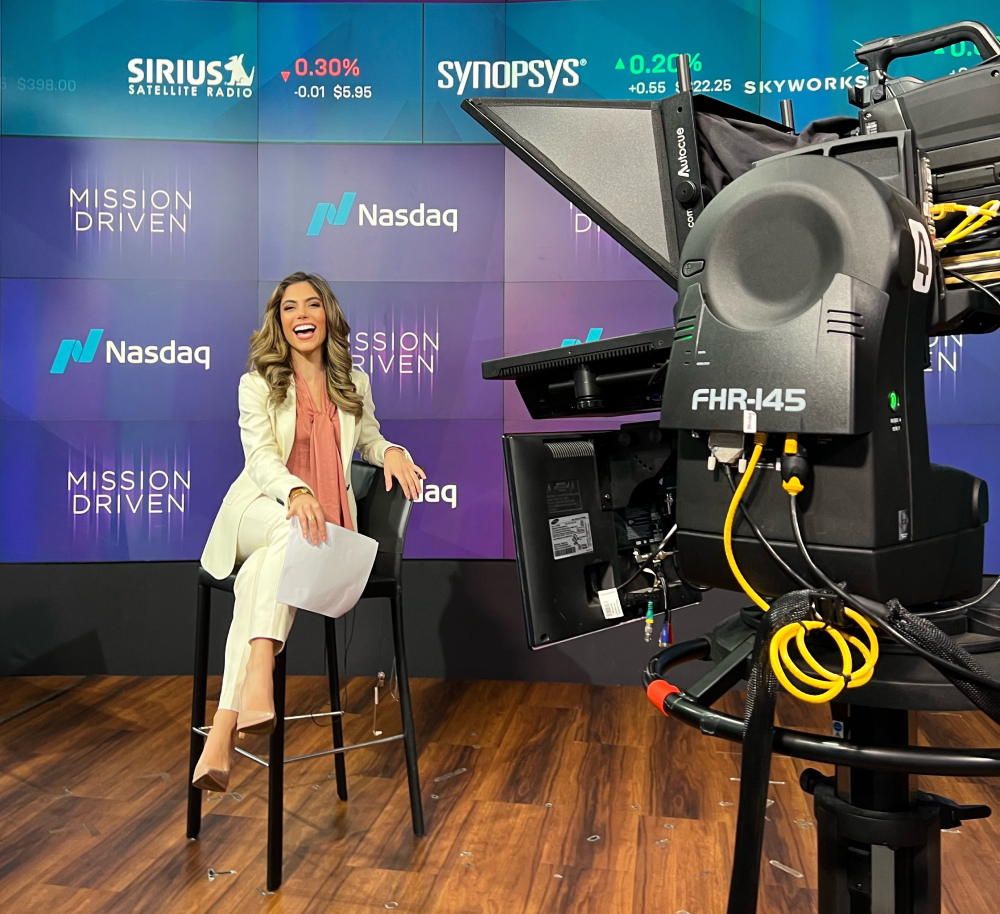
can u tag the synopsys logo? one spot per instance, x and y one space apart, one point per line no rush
509 74
420 216
186 78
791 400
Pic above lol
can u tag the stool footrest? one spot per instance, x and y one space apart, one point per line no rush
203 731
371 742
317 714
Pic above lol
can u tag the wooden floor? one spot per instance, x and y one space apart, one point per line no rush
516 778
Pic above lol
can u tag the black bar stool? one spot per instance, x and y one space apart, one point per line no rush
383 516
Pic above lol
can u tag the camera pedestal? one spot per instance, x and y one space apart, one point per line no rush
878 838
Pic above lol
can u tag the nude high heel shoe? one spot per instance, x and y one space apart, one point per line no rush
257 723
206 778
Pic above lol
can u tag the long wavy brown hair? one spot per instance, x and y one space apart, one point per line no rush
271 356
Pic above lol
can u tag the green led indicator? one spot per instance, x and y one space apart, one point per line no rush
894 401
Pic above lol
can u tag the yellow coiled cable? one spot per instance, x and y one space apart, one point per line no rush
831 684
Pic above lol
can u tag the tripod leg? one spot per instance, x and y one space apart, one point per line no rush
337 726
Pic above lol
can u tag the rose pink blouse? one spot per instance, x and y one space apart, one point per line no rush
315 456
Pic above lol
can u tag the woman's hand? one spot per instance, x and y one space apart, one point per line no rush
312 520
398 466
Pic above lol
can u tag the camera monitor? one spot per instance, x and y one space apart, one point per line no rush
589 510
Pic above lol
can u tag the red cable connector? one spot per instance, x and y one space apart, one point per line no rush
658 692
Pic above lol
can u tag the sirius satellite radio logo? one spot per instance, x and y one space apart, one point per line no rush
190 78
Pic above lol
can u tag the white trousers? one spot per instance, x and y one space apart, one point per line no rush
260 546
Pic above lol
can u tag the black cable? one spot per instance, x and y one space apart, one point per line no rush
642 568
877 612
978 599
975 285
975 239
795 576
652 555
701 588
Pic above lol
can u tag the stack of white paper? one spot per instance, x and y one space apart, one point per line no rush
328 578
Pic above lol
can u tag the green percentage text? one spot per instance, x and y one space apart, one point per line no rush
659 63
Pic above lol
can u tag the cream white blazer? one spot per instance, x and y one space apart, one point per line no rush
267 433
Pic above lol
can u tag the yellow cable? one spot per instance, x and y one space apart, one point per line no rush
760 439
975 218
779 645
832 684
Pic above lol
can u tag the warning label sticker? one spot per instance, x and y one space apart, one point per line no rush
563 495
611 604
570 536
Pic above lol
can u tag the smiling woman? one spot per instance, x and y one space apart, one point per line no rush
304 410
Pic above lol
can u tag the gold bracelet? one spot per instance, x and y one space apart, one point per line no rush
298 490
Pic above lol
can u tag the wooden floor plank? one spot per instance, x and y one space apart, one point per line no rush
492 862
391 844
92 789
528 762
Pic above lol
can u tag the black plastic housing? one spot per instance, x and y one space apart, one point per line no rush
624 482
806 314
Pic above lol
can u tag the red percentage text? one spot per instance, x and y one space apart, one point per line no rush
335 66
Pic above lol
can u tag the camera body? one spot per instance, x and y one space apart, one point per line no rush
811 278
803 307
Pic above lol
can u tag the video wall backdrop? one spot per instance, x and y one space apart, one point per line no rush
163 163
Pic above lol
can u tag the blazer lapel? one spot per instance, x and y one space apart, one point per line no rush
285 424
348 427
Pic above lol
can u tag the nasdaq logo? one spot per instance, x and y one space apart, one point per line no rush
131 354
433 494
593 335
77 351
421 216
333 215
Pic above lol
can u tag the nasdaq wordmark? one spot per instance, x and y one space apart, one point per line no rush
420 216
123 353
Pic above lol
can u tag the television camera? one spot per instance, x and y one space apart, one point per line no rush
791 457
